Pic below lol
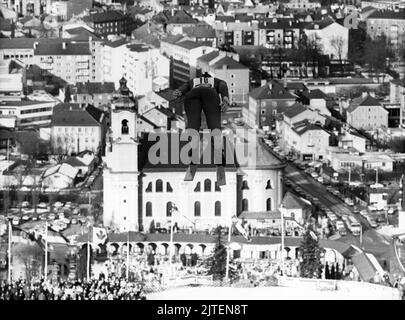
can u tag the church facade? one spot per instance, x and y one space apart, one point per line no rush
140 195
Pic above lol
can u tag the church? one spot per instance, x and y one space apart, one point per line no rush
140 194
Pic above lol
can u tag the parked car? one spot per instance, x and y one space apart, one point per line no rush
391 211
372 222
58 204
42 205
15 221
73 221
320 179
314 175
52 216
25 217
25 204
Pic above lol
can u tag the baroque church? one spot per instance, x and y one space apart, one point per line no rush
139 193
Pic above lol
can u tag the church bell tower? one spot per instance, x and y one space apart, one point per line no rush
120 176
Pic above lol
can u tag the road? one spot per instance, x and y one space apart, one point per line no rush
373 242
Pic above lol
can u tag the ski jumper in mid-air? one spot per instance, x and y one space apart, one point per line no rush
210 95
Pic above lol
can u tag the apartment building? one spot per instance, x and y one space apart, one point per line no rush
226 66
74 130
183 56
387 22
68 60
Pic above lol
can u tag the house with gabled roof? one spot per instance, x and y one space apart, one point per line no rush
366 112
296 207
266 102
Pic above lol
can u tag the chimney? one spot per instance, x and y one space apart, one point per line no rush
64 45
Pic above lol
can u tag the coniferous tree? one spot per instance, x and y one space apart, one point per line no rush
333 272
327 274
311 265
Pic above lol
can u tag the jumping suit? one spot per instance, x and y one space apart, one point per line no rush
203 94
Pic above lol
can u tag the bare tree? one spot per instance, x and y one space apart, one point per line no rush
31 255
337 44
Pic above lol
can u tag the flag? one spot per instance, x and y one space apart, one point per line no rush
241 229
99 236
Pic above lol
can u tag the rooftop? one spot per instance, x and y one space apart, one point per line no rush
72 117
388 14
95 87
294 110
275 91
57 48
229 63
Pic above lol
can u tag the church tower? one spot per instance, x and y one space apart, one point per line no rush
120 176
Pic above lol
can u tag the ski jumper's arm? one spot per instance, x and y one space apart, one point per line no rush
186 87
221 87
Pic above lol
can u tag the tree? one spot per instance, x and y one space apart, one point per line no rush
152 228
327 274
311 265
31 255
337 43
217 262
68 95
333 272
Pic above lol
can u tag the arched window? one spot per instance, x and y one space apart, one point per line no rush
149 188
207 185
268 204
169 187
268 185
245 205
245 185
159 185
197 209
148 209
217 208
124 127
169 207
197 187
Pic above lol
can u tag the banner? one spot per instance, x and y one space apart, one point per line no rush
99 236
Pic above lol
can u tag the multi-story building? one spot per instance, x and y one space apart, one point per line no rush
183 54
301 4
12 79
66 9
331 37
367 113
236 32
68 60
388 23
226 66
309 140
279 33
265 102
26 112
397 98
74 130
110 23
97 94
145 68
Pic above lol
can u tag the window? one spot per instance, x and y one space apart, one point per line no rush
217 208
263 111
207 185
159 185
169 207
268 186
217 187
149 188
232 84
268 204
245 205
197 187
148 209
232 76
124 128
245 185
168 187
197 209
232 91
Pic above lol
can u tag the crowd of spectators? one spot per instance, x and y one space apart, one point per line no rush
111 288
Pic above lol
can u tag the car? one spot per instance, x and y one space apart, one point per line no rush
320 179
391 211
364 213
372 222
161 230
15 221
224 122
61 215
76 211
68 205
343 232
34 218
314 175
73 221
52 216
25 204
58 204
42 205
25 217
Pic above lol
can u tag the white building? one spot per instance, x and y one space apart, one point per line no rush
332 37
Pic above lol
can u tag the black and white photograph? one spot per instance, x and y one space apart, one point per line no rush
224 152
